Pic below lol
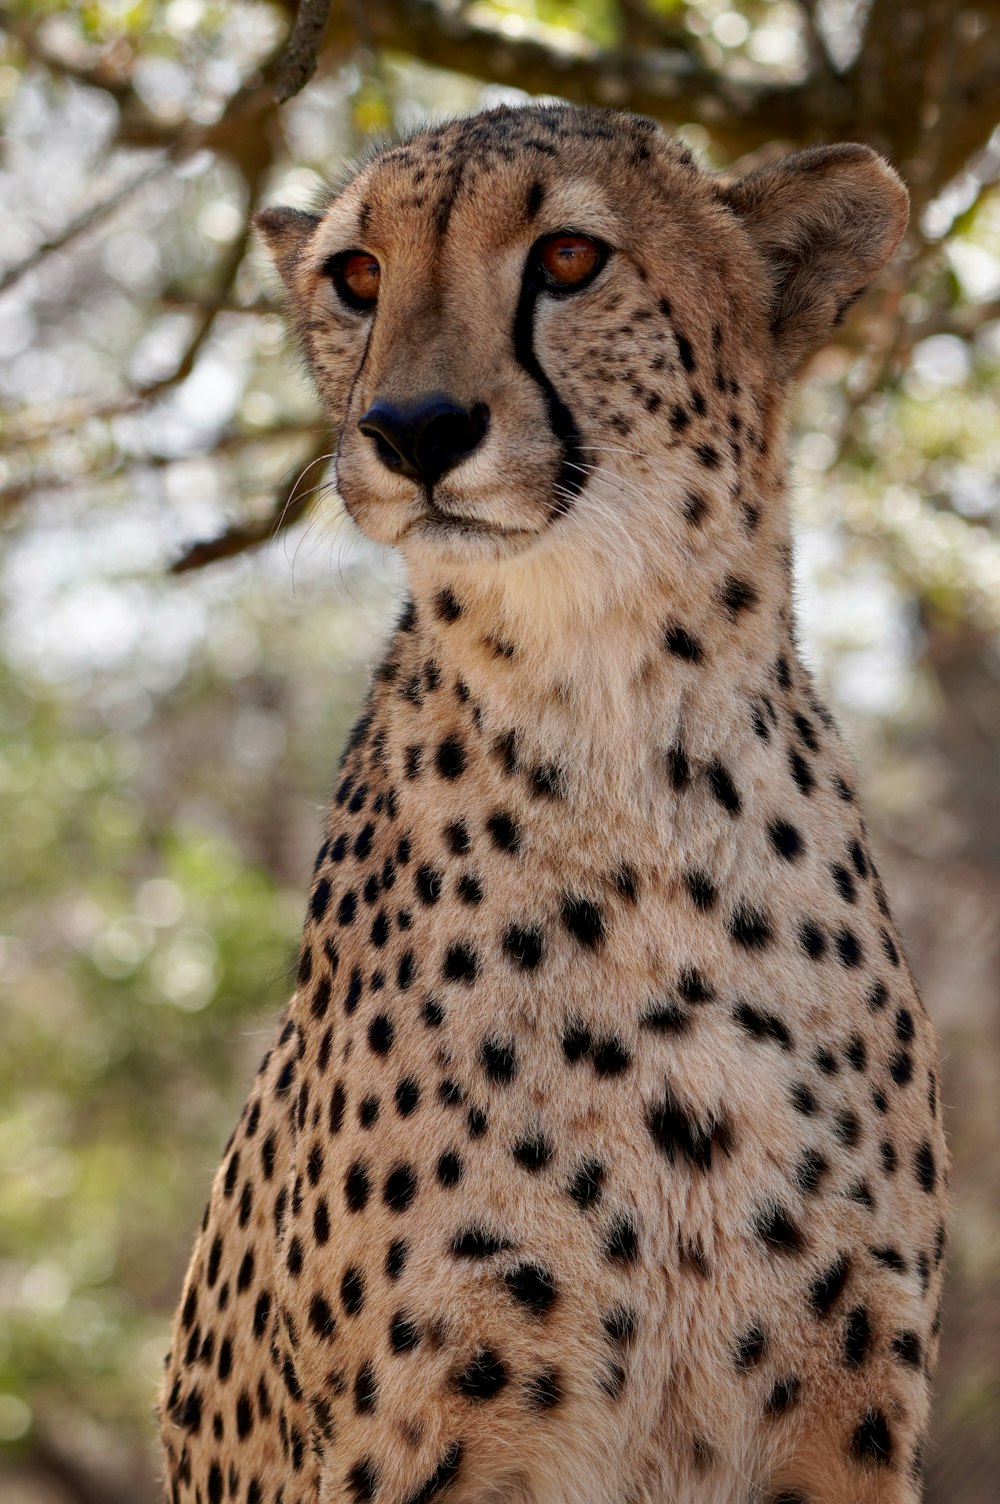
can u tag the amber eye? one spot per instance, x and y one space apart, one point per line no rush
569 261
355 275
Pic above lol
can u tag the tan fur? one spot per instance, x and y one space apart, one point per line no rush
596 856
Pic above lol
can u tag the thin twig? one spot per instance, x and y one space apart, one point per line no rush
85 221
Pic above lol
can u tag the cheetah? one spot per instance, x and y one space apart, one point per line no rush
598 1157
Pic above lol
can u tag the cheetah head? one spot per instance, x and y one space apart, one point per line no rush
547 333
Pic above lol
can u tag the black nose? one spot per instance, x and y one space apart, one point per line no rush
426 439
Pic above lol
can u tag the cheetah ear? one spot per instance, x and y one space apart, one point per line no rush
287 232
825 221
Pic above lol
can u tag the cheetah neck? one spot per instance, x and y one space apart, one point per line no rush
597 700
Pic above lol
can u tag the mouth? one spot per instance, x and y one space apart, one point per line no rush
435 520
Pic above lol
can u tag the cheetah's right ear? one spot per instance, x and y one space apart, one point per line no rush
826 221
287 232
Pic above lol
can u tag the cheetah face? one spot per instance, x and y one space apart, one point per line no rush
525 328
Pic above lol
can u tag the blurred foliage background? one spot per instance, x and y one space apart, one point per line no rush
187 617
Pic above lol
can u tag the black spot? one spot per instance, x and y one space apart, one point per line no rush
499 1060
321 1318
701 888
609 1057
827 1287
432 1013
810 1171
777 1231
354 990
362 1480
723 788
450 758
428 885
925 1167
783 1396
395 1259
457 837
533 1153
855 1053
871 1443
906 1347
442 1477
449 1169
380 1034
676 1131
585 1187
583 919
750 1348
613 1380
352 1291
750 928
400 1188
478 1243
347 909
693 987
857 1337
483 1377
877 996
847 1127
801 772
446 607
889 946
523 946
543 1391
695 508
901 1067
460 964
504 832
536 194
785 839
666 1018
678 770
532 1286
737 596
812 939
404 1334
188 1414
575 1041
620 1325
365 1390
547 781
680 642
357 1187
450 1093
890 1258
320 901
685 353
848 948
761 1025
622 1241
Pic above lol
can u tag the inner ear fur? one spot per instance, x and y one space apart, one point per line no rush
287 233
825 221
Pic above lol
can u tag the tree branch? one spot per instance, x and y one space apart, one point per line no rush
301 56
290 503
669 83
83 222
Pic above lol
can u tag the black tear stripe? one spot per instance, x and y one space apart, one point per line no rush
572 477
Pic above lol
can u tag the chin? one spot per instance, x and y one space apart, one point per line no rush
428 531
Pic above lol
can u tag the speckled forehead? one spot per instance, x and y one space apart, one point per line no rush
416 195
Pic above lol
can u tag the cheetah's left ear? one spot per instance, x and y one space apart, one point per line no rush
825 221
287 232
